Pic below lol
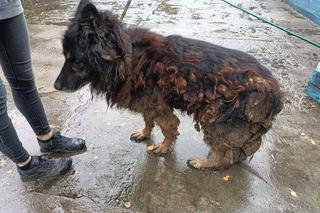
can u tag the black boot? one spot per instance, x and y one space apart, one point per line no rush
59 143
44 168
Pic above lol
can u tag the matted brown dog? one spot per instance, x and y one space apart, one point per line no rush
231 96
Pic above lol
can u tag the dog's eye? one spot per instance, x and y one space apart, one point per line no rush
74 69
77 62
77 66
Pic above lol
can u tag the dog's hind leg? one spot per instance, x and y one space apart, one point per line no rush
168 124
143 134
219 158
229 143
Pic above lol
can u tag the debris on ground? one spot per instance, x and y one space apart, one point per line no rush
226 178
293 193
127 205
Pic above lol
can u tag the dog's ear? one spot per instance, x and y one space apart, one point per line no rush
80 9
82 4
89 18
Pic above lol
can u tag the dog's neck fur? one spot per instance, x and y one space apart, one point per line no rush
120 85
115 85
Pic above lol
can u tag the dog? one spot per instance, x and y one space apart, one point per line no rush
233 98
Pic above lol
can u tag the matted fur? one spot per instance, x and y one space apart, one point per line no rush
230 95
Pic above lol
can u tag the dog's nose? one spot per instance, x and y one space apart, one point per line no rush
58 85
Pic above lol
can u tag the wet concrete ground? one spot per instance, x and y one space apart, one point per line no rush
283 176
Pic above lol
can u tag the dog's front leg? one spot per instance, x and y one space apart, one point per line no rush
143 134
168 124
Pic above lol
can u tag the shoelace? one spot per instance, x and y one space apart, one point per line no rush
57 136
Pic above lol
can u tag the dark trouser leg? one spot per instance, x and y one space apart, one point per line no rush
15 60
10 144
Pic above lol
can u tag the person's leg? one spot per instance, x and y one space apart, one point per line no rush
29 168
16 63
10 144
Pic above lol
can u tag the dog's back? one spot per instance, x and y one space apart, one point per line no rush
203 79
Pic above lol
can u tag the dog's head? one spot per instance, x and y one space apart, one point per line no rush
95 49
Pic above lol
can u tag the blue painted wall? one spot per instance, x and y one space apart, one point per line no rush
309 8
313 89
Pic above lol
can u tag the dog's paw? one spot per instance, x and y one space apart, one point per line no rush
159 149
198 163
195 163
139 136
